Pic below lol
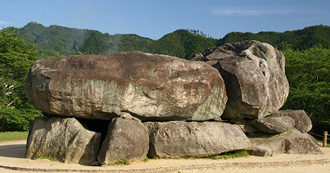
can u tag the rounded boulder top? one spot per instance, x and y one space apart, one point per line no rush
254 75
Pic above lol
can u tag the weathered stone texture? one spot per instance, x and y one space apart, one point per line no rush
150 87
244 125
196 139
290 142
254 74
126 140
62 139
302 122
273 124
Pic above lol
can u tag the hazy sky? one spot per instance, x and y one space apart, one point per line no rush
155 18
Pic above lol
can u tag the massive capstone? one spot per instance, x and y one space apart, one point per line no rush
254 74
149 87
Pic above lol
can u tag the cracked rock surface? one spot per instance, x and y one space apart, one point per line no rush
254 74
148 86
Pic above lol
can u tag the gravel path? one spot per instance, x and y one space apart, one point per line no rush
12 160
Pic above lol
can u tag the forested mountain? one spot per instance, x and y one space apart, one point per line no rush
183 43
65 41
60 40
298 39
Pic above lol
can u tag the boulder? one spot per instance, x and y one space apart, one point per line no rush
126 140
302 122
149 87
290 142
273 124
62 139
244 125
254 74
194 139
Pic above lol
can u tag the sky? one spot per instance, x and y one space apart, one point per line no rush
155 18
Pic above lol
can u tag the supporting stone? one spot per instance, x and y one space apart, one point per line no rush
62 139
194 139
290 142
127 140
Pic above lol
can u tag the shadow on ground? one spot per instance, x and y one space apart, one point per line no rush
13 150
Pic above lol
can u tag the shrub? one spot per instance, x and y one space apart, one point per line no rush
17 119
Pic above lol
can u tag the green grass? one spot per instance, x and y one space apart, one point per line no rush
13 136
121 162
45 157
146 159
230 155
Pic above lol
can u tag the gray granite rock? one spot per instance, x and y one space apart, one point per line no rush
273 124
302 122
62 139
254 74
148 86
244 125
126 140
194 139
290 142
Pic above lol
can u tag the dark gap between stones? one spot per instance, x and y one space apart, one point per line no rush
100 126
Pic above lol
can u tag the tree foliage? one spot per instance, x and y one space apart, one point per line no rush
298 39
16 57
308 72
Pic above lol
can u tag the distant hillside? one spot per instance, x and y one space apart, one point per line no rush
58 40
299 39
66 41
183 44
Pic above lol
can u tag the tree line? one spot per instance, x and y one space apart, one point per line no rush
183 43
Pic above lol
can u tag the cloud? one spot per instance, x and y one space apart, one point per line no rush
3 22
248 12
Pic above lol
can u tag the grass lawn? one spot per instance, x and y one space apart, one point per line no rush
13 136
232 155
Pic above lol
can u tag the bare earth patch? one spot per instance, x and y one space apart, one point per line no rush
12 160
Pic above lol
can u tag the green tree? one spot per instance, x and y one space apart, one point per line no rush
308 72
16 57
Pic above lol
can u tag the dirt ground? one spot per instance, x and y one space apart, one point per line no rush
12 160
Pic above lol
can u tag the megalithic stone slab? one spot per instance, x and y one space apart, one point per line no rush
126 140
62 139
194 139
254 74
273 124
302 122
290 142
148 86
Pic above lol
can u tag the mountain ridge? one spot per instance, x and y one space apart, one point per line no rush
183 43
